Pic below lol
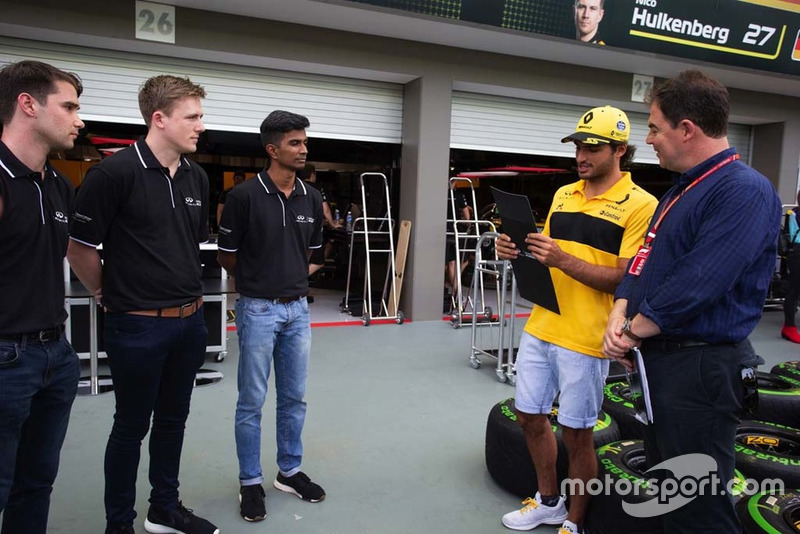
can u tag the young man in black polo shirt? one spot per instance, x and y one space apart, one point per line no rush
39 370
267 228
148 206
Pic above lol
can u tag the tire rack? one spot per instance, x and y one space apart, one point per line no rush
363 223
504 352
466 230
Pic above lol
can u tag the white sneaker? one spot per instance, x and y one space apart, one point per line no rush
534 513
569 528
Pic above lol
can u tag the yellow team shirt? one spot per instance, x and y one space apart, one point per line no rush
598 230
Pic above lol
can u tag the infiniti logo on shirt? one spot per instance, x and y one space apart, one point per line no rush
192 202
304 219
60 217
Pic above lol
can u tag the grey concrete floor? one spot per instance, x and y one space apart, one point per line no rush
394 433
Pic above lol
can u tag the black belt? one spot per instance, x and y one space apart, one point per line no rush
42 336
671 344
285 300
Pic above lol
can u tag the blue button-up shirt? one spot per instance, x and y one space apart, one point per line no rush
712 259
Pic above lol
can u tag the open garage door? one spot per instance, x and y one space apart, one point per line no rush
239 97
505 124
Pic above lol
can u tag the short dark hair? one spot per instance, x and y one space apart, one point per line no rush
696 96
627 158
602 3
278 123
239 175
161 93
33 77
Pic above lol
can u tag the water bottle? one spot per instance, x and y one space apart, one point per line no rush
336 216
348 221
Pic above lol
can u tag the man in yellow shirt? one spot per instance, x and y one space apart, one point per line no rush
594 227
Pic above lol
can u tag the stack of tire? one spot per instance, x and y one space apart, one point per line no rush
767 447
507 457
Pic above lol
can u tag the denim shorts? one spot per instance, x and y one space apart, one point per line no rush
544 369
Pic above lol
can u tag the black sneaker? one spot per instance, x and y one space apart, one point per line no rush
251 503
181 520
300 485
120 529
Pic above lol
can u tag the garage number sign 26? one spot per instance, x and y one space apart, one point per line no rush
155 22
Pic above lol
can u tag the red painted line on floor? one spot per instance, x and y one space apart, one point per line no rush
232 328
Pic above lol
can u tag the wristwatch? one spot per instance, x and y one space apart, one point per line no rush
626 330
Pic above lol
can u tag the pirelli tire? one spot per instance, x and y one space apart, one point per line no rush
768 451
626 460
770 512
507 457
778 400
617 403
790 369
622 466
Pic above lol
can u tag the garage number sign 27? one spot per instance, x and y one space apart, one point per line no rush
155 22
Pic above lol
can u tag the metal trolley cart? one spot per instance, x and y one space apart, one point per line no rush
500 332
371 228
466 233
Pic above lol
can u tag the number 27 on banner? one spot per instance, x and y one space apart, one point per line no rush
155 22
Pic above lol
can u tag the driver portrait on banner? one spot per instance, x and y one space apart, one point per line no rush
588 14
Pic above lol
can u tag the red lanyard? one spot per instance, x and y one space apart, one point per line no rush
652 233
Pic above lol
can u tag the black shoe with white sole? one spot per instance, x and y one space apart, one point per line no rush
252 503
300 485
181 520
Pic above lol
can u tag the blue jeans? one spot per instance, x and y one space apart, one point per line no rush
544 369
153 361
271 332
38 383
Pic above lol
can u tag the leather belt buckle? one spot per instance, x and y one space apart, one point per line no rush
47 335
187 309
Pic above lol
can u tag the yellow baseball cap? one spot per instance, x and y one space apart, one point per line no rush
601 125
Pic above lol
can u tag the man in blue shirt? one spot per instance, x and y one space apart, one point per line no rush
695 291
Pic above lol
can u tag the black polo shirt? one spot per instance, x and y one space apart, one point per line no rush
33 241
149 225
271 235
